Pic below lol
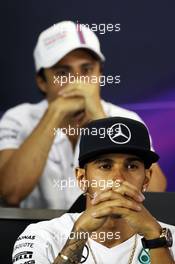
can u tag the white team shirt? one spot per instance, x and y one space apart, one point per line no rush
40 244
57 187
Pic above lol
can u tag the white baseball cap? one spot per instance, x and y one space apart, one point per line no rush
60 39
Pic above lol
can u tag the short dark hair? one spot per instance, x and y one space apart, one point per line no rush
42 75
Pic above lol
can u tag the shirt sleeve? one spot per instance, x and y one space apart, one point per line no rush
32 247
41 242
11 129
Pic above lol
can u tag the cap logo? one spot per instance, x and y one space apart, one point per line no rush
119 133
54 39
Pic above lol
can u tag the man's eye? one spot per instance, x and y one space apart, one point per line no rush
87 70
105 166
62 73
132 166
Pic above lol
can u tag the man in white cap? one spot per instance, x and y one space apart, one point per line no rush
36 162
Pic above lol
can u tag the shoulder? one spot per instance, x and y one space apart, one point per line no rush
43 240
25 110
115 110
61 224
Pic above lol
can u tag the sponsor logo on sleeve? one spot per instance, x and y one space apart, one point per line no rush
22 255
29 262
26 237
22 245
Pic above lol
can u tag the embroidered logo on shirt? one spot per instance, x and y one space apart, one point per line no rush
144 257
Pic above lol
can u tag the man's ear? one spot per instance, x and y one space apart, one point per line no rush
41 83
81 178
148 175
101 68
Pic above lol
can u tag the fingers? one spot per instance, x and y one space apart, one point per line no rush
129 190
110 211
73 93
103 196
119 201
119 208
124 189
77 88
70 88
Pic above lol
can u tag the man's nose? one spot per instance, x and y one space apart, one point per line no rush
118 174
76 72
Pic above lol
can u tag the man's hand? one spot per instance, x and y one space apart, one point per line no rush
91 95
67 107
126 202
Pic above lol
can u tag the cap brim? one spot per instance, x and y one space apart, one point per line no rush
147 156
56 59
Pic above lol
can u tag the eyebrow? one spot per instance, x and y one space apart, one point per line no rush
67 67
101 160
88 63
57 67
135 159
130 159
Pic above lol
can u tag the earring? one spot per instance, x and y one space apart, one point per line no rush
144 189
84 191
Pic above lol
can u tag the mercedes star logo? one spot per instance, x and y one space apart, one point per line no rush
119 133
